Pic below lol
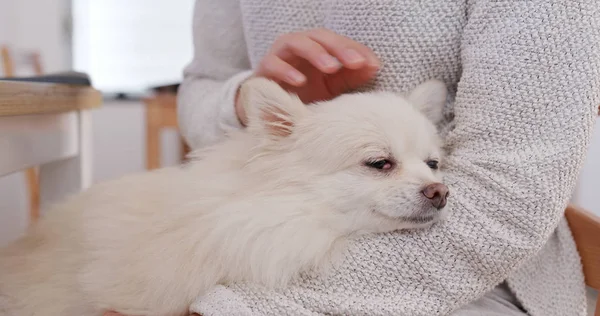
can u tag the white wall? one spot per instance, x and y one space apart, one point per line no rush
37 25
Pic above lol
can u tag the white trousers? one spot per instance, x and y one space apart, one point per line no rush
498 302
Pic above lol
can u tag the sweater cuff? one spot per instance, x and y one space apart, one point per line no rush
228 119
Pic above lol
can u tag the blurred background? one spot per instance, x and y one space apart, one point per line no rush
129 49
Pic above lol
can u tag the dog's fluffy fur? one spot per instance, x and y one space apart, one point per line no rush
274 200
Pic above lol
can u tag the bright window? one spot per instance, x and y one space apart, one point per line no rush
128 46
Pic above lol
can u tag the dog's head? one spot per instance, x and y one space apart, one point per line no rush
373 158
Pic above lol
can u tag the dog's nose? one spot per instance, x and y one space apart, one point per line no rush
437 193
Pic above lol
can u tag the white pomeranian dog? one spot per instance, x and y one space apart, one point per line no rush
277 199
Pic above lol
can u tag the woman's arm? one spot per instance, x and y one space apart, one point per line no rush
206 96
524 114
298 60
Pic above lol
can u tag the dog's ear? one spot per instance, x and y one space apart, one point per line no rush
269 108
430 97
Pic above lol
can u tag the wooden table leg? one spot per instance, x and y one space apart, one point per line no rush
153 120
33 186
185 149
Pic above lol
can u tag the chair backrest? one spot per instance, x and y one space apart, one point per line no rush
161 113
585 228
11 61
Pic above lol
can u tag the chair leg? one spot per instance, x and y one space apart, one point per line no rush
153 117
33 185
185 149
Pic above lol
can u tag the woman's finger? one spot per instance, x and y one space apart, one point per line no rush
291 46
273 67
352 54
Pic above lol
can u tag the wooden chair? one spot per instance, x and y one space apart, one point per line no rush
31 174
586 232
48 125
161 113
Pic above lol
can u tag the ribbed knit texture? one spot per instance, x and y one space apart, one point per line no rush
524 80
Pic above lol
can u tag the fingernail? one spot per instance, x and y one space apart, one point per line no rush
352 56
328 61
295 77
374 63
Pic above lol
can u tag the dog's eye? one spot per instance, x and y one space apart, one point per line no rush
381 164
433 164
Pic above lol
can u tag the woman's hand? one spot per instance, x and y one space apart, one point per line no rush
316 65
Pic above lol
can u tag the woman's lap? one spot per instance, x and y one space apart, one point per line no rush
498 302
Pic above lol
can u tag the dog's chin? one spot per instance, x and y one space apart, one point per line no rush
421 219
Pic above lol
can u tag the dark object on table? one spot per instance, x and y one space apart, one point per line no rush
70 78
171 88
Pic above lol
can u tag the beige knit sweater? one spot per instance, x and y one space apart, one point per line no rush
525 85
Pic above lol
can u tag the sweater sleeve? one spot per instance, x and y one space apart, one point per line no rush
220 64
523 117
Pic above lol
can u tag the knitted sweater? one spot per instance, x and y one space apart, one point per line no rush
524 81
